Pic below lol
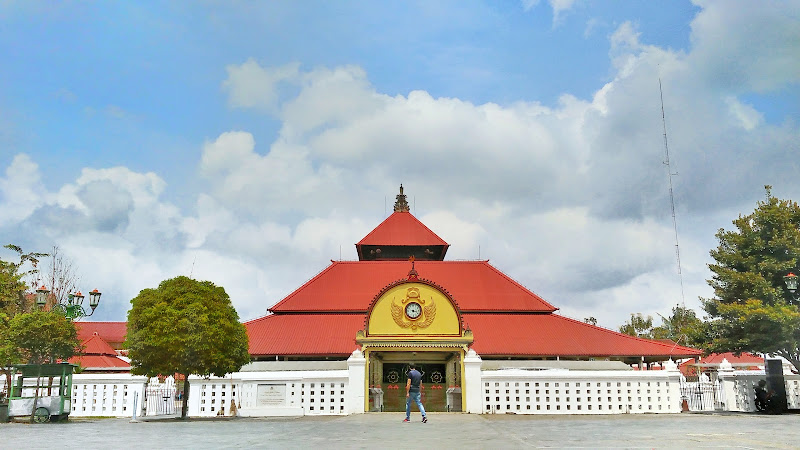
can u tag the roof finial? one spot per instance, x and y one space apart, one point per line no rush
412 274
401 205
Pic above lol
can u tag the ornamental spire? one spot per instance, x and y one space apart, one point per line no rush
401 205
412 274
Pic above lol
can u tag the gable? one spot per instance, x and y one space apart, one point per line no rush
413 309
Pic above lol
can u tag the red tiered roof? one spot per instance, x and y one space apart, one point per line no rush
306 334
402 228
111 332
98 355
322 316
535 335
350 286
554 335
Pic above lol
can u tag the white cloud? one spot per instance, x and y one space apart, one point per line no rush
742 45
560 7
747 116
21 190
251 86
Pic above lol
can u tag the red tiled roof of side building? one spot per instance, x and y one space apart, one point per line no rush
402 228
95 345
100 362
111 332
744 358
352 285
554 335
306 334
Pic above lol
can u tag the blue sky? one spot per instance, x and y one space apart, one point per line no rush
248 142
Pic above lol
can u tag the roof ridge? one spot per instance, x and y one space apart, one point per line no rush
516 283
309 281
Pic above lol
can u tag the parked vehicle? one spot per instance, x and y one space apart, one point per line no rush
47 386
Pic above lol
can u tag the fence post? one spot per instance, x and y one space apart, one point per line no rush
472 382
727 386
356 383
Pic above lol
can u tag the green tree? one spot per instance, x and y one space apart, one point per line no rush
682 327
12 302
187 327
43 337
639 326
752 311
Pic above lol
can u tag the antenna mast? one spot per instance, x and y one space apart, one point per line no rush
671 196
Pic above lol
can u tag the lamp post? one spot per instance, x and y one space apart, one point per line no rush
73 308
791 284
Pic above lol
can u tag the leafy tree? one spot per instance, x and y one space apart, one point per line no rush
187 327
752 311
683 327
43 337
28 335
12 302
639 326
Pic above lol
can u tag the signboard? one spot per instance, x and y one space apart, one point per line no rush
271 394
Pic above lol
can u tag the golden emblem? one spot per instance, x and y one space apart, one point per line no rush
415 312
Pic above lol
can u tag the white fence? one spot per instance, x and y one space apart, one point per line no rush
517 391
339 389
739 388
284 393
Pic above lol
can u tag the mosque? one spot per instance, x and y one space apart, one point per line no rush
402 302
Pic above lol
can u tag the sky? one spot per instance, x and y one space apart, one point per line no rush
251 143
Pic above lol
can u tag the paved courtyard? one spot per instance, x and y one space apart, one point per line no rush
385 430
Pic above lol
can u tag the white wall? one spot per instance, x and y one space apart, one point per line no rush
106 395
580 392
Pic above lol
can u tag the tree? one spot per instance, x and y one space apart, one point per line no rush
60 277
187 327
752 311
12 302
682 327
639 326
43 337
27 334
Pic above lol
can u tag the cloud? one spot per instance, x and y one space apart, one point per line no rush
21 190
743 46
748 117
560 7
251 86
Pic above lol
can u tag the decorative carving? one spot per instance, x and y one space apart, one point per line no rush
401 205
423 320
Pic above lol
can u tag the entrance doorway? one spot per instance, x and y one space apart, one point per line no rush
432 387
441 380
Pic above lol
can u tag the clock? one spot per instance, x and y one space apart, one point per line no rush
413 310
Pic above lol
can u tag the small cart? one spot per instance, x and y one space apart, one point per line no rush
49 386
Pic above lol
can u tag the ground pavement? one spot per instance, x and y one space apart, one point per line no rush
443 430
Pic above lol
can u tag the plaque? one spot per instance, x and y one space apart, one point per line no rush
271 394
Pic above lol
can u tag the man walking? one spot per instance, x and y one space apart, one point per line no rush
413 393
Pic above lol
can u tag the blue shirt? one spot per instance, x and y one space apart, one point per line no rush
416 379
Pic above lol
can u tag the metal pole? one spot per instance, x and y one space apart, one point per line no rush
135 405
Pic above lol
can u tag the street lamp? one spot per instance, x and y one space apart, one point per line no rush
791 284
73 308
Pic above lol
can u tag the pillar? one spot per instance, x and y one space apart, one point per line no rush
356 383
727 387
473 383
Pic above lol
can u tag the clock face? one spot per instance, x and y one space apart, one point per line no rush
413 310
